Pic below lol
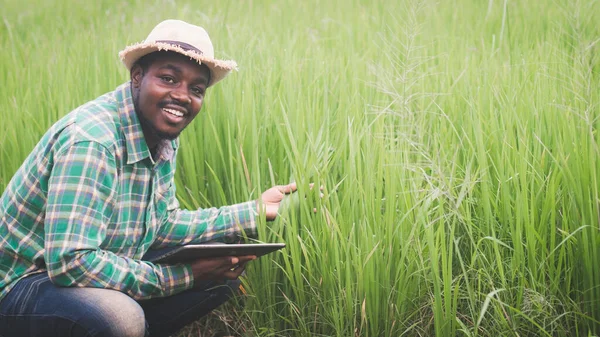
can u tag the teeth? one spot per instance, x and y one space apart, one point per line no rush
174 112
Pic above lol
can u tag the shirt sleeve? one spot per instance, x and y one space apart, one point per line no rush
224 224
81 200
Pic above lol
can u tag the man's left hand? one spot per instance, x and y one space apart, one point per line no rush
271 199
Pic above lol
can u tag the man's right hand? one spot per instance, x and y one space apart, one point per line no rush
219 268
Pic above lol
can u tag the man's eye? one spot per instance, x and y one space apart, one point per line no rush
198 91
168 79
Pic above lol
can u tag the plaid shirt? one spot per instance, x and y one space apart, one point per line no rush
89 202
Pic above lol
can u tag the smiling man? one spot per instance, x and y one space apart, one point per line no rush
168 91
97 193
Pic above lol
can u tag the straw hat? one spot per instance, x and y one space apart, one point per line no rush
183 38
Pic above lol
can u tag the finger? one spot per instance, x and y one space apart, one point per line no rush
287 189
220 272
243 264
240 268
236 262
216 262
228 262
245 259
232 274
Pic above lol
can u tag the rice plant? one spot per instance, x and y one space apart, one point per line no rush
456 143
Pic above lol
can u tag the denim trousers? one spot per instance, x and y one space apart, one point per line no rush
35 307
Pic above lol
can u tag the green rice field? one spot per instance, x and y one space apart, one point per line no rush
457 143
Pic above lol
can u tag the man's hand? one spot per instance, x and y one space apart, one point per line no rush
271 199
220 268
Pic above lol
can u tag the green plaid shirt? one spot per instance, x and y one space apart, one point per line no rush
89 202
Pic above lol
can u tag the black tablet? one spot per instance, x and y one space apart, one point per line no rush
193 252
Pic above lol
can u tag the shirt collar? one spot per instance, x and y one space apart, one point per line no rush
137 149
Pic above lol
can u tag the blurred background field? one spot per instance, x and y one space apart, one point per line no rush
457 143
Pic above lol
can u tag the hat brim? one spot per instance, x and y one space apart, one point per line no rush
218 68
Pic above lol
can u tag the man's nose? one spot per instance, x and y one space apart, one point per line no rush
181 94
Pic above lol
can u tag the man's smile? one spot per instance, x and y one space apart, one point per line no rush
174 112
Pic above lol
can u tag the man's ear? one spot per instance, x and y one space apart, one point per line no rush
136 73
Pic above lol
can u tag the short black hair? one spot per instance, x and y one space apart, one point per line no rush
146 61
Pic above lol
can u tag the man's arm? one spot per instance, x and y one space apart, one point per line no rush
225 224
81 199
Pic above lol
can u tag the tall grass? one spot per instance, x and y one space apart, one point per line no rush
456 143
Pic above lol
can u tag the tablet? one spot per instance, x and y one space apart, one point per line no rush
198 251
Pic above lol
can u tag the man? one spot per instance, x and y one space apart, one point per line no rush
97 193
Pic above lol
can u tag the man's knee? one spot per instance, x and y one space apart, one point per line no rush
36 307
111 313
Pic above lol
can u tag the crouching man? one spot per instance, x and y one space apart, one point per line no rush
97 193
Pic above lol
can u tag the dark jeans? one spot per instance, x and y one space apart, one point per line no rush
37 308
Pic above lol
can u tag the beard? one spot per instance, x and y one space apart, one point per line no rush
147 125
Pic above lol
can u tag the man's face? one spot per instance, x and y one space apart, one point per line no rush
168 95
